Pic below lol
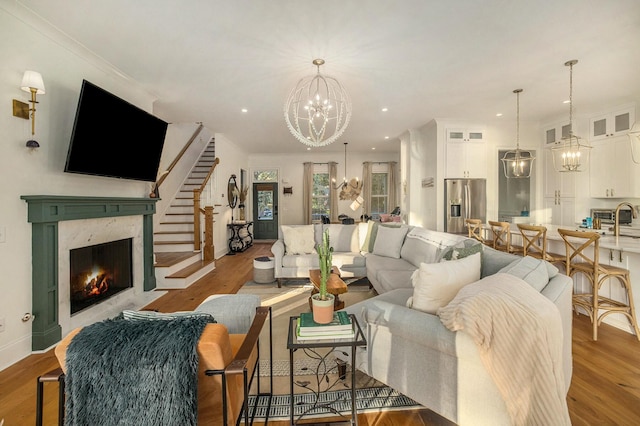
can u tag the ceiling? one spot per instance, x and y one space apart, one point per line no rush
421 59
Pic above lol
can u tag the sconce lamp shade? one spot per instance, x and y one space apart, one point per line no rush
32 80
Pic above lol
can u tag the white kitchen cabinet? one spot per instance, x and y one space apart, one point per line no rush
557 184
611 124
555 132
466 154
613 174
465 135
560 211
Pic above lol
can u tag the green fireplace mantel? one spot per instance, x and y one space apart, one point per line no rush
44 213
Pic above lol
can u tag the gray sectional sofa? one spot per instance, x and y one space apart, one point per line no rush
412 350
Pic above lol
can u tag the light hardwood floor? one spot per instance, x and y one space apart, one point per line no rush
605 387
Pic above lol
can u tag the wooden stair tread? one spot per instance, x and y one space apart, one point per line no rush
165 259
166 243
177 223
189 270
172 232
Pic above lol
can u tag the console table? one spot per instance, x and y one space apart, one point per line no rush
241 236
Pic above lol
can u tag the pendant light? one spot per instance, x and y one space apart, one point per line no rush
318 109
517 164
570 154
349 189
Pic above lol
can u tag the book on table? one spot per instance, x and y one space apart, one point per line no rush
341 322
323 335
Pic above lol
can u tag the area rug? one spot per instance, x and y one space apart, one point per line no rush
368 400
290 300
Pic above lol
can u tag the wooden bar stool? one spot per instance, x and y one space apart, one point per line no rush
474 227
534 243
577 261
501 236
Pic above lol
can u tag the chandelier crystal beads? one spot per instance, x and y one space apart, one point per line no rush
318 109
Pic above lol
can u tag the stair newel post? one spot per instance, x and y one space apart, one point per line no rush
196 219
208 233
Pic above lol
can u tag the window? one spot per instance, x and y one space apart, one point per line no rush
265 175
320 194
379 190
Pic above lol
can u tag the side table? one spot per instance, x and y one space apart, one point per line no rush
241 236
311 348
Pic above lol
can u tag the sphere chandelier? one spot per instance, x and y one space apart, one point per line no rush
318 109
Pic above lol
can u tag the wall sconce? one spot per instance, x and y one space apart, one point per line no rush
31 83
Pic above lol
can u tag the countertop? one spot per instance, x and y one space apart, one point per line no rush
607 240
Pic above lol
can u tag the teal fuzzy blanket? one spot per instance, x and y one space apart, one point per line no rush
124 372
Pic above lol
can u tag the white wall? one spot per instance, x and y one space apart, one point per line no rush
290 169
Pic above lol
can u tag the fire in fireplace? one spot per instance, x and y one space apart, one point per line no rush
99 272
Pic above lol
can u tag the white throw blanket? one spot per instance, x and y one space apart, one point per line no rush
519 336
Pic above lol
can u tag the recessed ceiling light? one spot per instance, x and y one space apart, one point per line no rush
385 109
566 102
499 114
386 137
308 148
245 110
374 148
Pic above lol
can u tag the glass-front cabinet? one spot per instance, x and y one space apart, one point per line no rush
611 124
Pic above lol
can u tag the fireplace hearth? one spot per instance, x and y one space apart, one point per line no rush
98 272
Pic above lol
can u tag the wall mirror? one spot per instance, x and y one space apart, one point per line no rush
232 192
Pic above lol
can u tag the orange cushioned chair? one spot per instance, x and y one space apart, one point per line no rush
226 362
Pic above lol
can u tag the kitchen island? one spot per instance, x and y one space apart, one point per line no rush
622 251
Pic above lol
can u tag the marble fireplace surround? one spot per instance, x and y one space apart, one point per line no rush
61 223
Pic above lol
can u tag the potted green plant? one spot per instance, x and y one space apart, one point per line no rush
322 302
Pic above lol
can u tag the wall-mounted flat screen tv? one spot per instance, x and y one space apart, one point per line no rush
114 138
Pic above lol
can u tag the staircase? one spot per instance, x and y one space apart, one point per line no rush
177 263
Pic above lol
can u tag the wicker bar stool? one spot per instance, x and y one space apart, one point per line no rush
474 226
577 261
501 237
534 242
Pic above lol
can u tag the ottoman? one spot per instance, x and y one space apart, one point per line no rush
236 311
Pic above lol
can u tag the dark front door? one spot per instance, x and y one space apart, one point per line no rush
265 211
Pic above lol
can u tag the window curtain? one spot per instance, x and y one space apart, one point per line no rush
333 192
392 185
307 192
366 187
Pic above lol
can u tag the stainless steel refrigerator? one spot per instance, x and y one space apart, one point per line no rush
464 199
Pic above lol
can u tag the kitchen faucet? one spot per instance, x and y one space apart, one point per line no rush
616 225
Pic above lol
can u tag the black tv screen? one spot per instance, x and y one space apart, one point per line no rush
114 138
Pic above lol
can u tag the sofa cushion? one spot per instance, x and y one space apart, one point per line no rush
389 241
424 245
343 238
529 269
299 239
436 284
305 261
493 260
461 250
369 240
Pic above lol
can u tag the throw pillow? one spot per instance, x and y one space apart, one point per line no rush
532 270
299 239
461 250
343 238
152 315
389 241
436 284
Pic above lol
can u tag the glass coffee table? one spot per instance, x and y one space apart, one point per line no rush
320 349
